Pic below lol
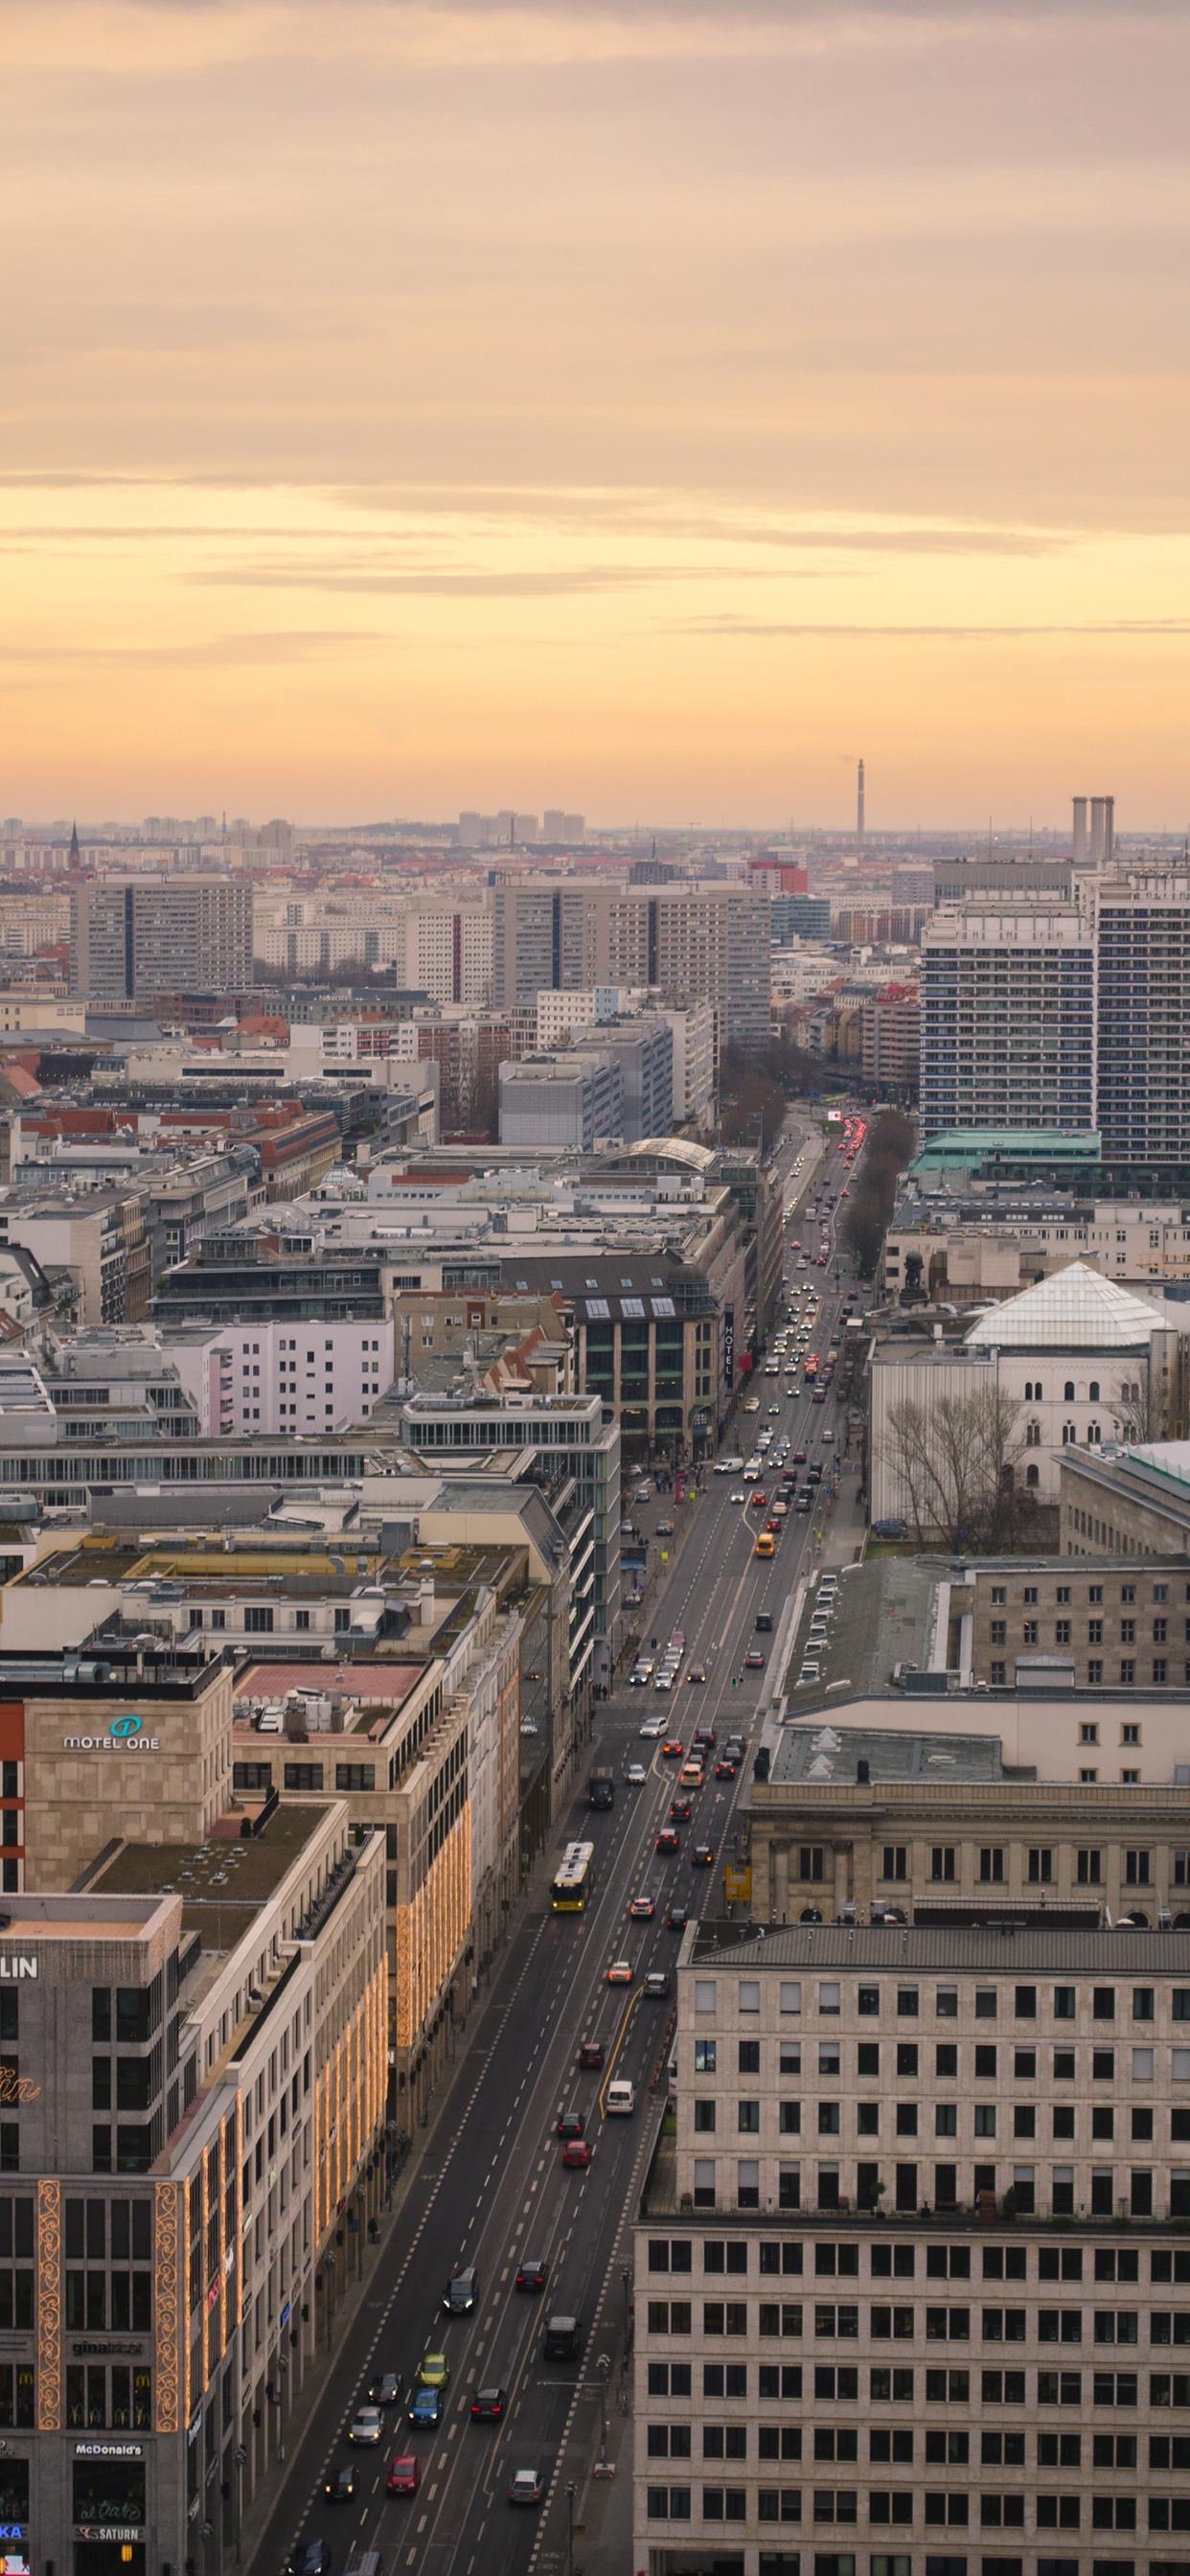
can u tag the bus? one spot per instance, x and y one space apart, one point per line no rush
573 1879
810 1365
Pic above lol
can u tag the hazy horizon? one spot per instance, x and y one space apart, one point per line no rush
667 401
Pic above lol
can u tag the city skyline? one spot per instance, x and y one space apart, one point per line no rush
662 406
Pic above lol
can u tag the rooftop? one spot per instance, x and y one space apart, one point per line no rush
379 1684
902 1950
826 1753
223 1883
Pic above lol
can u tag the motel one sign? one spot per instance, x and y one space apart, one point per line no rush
124 1735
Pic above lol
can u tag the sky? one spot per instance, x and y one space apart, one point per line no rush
639 406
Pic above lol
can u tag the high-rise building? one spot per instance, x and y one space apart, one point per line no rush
910 2279
1007 1017
691 940
179 934
1142 926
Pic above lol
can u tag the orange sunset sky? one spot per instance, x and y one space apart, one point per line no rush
644 406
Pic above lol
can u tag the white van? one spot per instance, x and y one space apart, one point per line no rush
621 2096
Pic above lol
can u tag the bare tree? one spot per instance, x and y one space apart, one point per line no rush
957 1464
1139 1411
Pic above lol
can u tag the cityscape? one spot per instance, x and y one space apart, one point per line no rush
620 1358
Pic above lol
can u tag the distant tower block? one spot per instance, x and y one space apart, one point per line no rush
859 803
1080 831
1103 830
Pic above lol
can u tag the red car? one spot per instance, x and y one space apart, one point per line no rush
671 1750
759 1502
754 1662
576 2153
773 1527
404 2475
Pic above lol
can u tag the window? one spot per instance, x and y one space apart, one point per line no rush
895 1862
991 1865
943 1860
1041 1867
749 1994
705 2054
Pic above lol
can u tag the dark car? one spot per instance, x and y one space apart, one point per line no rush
725 1768
656 1986
702 1857
799 1457
570 2124
424 2409
677 1919
590 2052
462 2291
679 1813
385 2389
764 1623
667 1840
487 2406
339 2484
530 2273
310 2558
706 1736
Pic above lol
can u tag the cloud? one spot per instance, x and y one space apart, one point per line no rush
215 652
721 629
567 582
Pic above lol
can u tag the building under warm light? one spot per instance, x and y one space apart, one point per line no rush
191 2135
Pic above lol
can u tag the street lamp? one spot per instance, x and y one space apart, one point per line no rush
570 2527
603 2366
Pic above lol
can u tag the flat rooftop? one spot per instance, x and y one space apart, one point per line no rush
904 1950
379 1685
822 1753
223 1883
883 1615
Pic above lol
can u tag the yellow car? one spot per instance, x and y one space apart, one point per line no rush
434 2371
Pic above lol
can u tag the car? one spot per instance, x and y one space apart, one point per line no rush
759 1502
664 1681
385 2389
679 1813
310 2558
487 2406
590 2053
656 1985
665 1529
531 2273
754 1660
774 1408
424 2409
526 2486
705 1735
764 1623
640 1674
737 1498
652 1728
890 1529
702 1857
570 2124
799 1457
338 2486
677 1919
697 1673
773 1524
620 1972
404 2474
752 1404
433 2371
367 2425
805 1500
666 1841
636 1776
671 1750
691 1774
576 2155
827 1435
462 2291
725 1768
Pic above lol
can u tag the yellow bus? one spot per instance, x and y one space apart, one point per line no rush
573 1878
766 1544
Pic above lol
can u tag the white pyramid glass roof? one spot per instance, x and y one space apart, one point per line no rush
1074 1309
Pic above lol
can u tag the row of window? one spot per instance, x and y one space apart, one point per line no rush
900 2119
780 2254
1029 2002
985 2062
939 2507
1099 2191
882 2444
844 2384
833 2321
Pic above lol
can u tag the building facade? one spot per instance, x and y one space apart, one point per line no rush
1007 1018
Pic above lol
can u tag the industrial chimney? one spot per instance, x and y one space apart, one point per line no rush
859 803
1080 831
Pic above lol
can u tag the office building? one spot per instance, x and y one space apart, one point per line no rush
200 2038
1142 927
691 941
171 934
1007 1018
570 1102
909 2279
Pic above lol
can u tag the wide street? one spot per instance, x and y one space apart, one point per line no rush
492 2188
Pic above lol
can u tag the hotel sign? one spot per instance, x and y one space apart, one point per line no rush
124 1735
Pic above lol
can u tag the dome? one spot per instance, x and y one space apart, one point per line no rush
1075 1309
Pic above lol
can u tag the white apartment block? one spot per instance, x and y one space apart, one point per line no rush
269 1379
912 2280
